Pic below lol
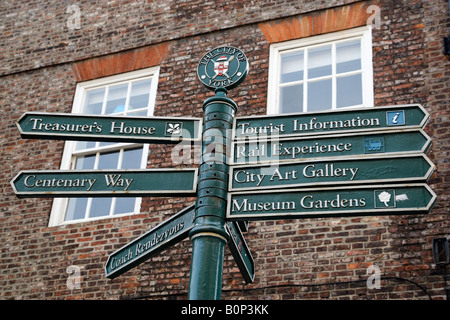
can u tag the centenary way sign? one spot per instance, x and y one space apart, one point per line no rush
349 144
109 128
338 202
105 183
164 235
337 121
386 169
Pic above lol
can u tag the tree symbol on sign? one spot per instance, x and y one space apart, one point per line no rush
385 197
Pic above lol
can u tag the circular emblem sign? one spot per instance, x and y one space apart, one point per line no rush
223 67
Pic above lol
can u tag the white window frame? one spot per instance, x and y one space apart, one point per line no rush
59 208
364 33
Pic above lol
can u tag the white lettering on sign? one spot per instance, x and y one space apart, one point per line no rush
246 129
329 170
121 128
116 180
279 150
293 152
279 174
313 124
145 244
308 202
245 206
39 125
32 182
112 180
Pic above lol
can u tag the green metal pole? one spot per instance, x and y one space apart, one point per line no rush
209 236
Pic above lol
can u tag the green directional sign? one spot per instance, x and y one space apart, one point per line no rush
109 128
241 252
152 242
105 183
336 121
338 202
331 172
326 146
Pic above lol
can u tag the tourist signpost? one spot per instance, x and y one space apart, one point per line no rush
366 161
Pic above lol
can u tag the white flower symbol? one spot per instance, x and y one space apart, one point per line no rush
174 128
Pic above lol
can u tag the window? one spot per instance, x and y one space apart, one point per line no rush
321 73
130 94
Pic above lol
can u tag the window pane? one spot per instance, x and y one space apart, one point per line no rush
117 97
348 56
104 144
140 91
100 207
132 159
319 95
291 99
292 67
349 91
76 209
94 101
143 112
124 205
85 163
82 145
319 62
108 160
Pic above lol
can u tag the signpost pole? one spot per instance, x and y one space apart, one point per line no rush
209 236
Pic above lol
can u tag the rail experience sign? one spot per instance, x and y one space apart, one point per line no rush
327 146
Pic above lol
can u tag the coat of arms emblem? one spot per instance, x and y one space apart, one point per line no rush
223 67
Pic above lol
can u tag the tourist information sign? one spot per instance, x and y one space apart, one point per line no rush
109 128
105 183
164 235
372 169
241 252
326 146
336 121
331 201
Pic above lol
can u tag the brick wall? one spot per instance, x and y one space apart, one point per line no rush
41 61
